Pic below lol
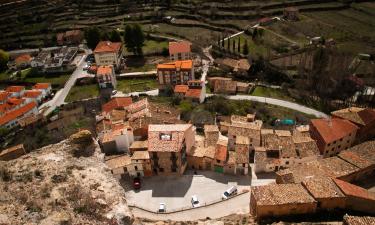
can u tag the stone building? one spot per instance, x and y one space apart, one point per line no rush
174 73
140 164
280 200
108 53
168 145
242 150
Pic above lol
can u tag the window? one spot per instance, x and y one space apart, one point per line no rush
287 162
338 147
161 170
218 161
243 164
165 137
329 144
136 167
340 139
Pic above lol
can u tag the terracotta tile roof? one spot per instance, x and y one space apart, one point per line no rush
322 187
181 88
117 103
358 220
6 153
179 47
107 46
365 150
221 152
183 65
10 104
242 155
201 151
16 113
15 88
73 33
23 58
138 106
4 95
337 166
353 190
356 115
334 130
141 155
281 194
118 162
32 94
355 159
104 70
193 93
242 140
42 86
166 137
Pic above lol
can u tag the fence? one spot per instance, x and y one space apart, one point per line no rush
185 208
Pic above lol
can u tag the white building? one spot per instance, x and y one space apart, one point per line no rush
117 140
45 88
180 50
108 53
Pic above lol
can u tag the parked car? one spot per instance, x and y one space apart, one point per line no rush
114 92
162 207
195 201
231 191
137 183
86 67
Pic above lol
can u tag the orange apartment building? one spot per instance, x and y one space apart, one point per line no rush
174 73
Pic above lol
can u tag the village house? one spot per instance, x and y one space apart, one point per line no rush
138 146
70 37
33 95
4 95
201 157
140 164
13 152
60 60
325 192
242 150
194 90
240 66
224 85
276 200
20 62
174 73
45 88
117 140
168 145
10 118
221 155
180 50
291 13
211 133
108 53
106 77
358 220
12 104
230 165
119 103
333 135
362 118
118 165
15 91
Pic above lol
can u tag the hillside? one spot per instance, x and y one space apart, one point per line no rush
65 183
31 23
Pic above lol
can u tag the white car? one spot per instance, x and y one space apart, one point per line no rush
162 207
195 201
231 191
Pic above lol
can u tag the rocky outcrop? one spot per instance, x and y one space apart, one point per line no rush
65 183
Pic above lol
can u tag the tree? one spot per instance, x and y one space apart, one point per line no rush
234 45
223 41
128 38
239 45
4 58
218 39
228 44
245 49
92 36
139 38
115 36
254 34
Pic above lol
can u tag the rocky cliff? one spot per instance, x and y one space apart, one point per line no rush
65 183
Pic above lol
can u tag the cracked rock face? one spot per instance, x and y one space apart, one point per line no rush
66 183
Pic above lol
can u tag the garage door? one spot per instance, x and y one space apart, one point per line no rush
219 169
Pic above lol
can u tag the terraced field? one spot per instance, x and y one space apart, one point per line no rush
31 23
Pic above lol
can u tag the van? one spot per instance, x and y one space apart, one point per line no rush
231 191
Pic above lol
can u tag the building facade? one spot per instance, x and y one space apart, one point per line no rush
174 73
108 53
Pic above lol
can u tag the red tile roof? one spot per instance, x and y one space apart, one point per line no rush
353 190
4 95
107 46
41 86
193 93
174 137
15 88
32 94
115 103
23 58
179 47
185 64
104 70
16 113
221 152
181 89
334 129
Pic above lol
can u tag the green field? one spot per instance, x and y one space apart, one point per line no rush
132 85
82 92
270 93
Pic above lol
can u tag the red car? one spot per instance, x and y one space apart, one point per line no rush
137 183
